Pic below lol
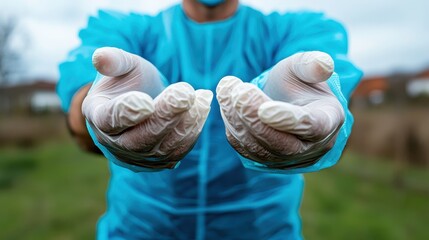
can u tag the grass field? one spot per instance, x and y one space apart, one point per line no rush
54 191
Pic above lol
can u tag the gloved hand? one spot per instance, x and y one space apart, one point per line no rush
133 127
289 124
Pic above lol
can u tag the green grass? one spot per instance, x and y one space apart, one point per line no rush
55 191
358 199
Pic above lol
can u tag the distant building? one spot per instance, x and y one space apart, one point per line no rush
38 96
394 88
419 85
371 91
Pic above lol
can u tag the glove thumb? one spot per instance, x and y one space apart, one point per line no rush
114 62
310 67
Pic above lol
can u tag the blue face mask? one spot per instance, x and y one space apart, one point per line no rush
211 3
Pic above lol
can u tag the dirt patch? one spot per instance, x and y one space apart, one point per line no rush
30 130
392 133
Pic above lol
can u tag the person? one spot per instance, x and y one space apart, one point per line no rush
184 166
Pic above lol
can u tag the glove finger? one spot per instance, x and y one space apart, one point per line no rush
188 129
247 101
124 111
286 117
229 115
313 122
310 67
170 106
176 98
223 93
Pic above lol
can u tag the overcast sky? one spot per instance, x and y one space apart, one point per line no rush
384 35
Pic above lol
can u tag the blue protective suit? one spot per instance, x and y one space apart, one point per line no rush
211 195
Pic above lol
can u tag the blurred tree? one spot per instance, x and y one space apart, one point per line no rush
9 57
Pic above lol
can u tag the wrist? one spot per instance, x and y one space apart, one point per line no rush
75 118
76 121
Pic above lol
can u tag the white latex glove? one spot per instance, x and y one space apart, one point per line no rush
292 122
133 127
